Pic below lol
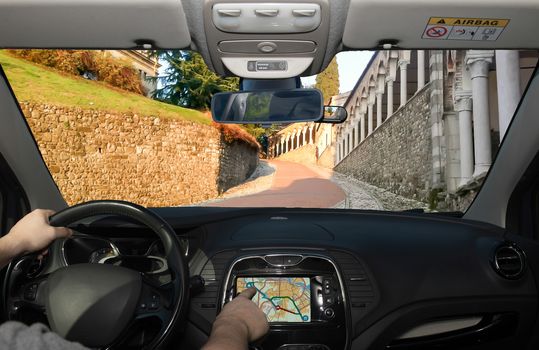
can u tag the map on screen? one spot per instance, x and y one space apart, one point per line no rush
282 299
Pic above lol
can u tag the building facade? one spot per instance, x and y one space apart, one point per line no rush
455 107
426 124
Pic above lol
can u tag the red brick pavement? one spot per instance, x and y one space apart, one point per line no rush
294 185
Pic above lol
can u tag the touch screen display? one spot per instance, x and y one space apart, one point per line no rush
282 299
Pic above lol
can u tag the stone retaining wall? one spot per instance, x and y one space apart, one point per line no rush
151 161
398 155
327 158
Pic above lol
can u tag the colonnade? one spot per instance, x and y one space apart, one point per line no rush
471 93
366 104
473 106
292 138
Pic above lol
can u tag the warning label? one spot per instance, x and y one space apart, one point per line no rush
459 28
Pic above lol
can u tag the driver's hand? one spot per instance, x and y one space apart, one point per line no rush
33 233
240 322
243 310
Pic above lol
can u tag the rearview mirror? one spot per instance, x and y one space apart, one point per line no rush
334 115
268 107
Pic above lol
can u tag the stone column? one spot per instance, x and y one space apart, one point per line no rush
403 65
508 78
479 61
420 69
370 107
347 142
362 130
379 96
463 106
298 135
286 143
359 125
277 144
389 82
281 151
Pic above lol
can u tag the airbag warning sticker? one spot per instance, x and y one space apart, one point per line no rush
459 28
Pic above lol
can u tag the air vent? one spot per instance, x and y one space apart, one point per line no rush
509 261
359 287
213 273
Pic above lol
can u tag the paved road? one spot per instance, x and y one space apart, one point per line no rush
294 185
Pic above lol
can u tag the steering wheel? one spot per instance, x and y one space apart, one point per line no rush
97 304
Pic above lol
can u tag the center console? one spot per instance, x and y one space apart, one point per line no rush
302 296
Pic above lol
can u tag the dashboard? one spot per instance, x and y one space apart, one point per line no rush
329 279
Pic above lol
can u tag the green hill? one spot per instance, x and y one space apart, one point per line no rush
35 83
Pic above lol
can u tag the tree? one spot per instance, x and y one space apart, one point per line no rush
189 82
328 80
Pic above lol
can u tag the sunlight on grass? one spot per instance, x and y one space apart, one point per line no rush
34 83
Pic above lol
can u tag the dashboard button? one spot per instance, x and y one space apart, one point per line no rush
31 292
329 312
290 260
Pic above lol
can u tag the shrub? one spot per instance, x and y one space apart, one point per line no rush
233 133
116 72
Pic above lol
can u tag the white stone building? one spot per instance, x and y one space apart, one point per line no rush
148 67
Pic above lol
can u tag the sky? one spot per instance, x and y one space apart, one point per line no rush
351 65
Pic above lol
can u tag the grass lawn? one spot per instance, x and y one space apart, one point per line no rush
35 83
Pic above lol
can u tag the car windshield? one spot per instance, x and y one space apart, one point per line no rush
422 132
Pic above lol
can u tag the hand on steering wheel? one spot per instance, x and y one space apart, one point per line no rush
96 304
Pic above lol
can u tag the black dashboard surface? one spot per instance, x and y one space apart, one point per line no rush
421 267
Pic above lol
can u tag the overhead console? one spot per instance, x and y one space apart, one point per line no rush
266 40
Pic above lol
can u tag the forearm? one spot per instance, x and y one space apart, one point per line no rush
227 335
8 250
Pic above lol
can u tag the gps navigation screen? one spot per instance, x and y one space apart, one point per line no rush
282 299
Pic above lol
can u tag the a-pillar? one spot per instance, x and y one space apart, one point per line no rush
403 66
389 82
420 69
508 78
479 62
463 106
